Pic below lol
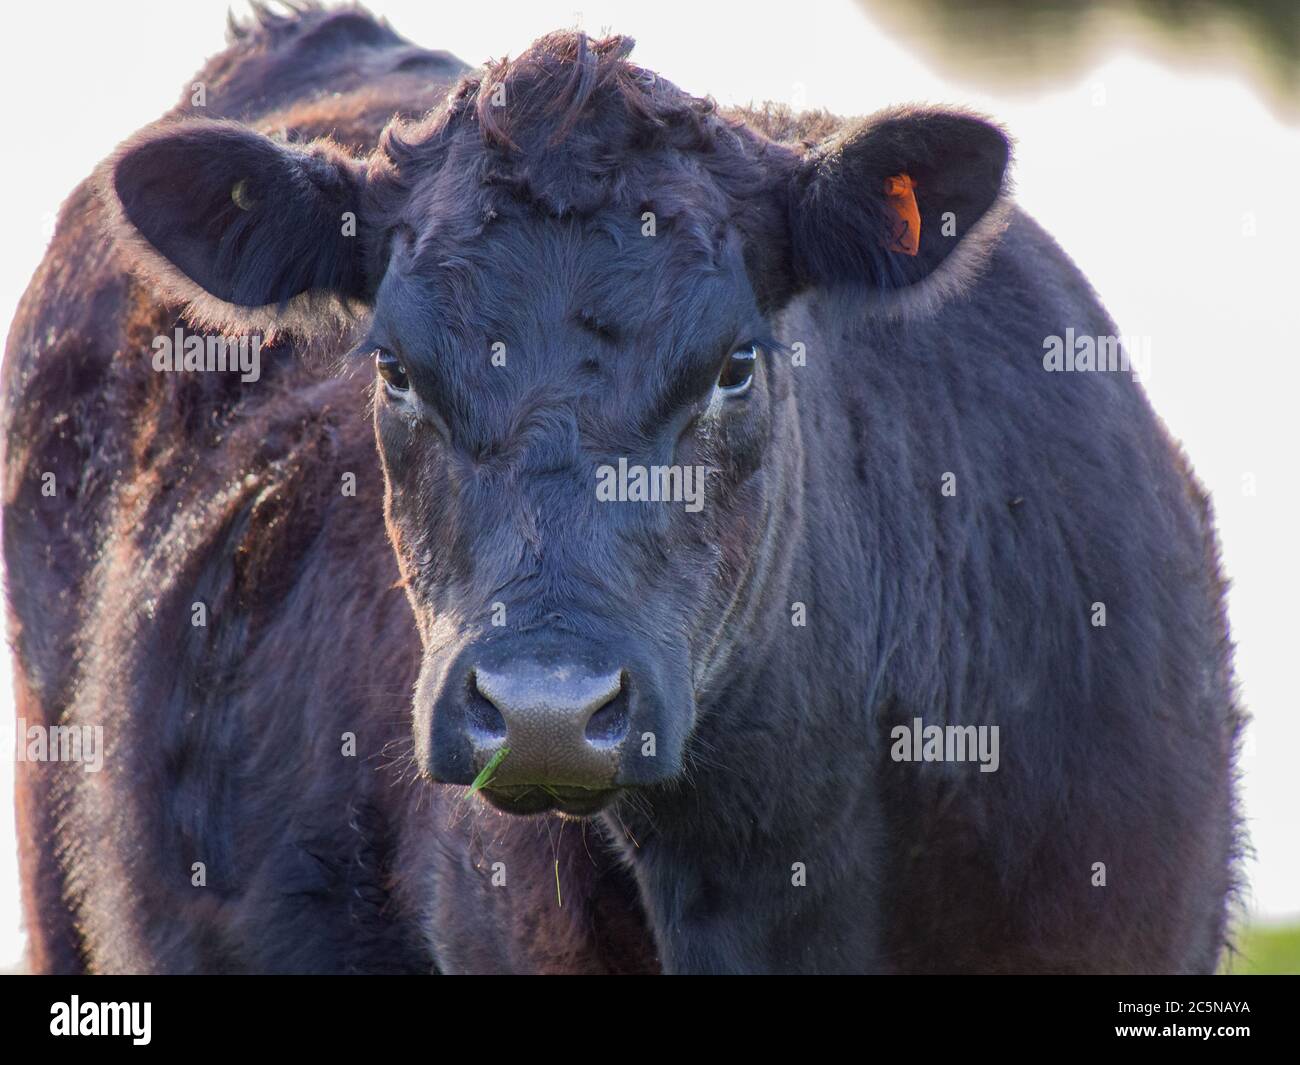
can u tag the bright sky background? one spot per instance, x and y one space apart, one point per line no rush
1145 173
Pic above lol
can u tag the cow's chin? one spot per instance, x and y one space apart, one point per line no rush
565 800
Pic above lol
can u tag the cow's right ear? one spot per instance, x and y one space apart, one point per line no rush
236 225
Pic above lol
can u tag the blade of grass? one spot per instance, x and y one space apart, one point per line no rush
484 777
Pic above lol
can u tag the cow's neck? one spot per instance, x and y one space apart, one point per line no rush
744 868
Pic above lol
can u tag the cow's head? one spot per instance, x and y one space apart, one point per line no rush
569 279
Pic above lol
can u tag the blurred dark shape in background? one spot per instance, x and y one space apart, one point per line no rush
1030 44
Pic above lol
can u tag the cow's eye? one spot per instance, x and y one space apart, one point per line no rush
739 370
391 370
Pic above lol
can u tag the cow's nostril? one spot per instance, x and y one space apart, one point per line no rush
608 725
481 715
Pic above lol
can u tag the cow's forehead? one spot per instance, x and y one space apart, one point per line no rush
620 272
561 309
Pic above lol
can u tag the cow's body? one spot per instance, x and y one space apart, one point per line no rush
225 741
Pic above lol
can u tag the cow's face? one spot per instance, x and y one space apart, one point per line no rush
573 415
584 416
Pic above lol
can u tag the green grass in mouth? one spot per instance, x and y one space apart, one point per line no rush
484 777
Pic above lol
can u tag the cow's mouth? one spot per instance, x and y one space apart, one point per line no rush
541 798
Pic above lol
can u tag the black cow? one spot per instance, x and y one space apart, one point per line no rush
721 511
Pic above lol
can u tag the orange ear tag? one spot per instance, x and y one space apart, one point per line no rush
906 237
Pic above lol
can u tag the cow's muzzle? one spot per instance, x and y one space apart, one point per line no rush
559 724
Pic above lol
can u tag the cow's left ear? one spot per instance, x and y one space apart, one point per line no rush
888 200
